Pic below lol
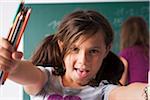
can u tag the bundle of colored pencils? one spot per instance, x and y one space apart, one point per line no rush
16 32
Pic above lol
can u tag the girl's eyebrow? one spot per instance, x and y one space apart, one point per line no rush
73 46
96 47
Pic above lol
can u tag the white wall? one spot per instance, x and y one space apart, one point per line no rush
72 1
10 90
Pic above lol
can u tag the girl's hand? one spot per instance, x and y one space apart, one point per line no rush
9 58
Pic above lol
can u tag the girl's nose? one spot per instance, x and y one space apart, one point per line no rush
83 58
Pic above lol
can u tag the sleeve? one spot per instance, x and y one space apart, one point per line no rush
106 89
124 53
46 87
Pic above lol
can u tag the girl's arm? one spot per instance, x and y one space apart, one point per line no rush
123 79
134 91
22 72
28 75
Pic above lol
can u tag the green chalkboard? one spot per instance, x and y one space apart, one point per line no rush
45 17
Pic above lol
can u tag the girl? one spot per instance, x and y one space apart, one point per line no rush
135 50
77 55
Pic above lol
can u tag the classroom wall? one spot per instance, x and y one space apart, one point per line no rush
38 28
45 18
10 90
80 1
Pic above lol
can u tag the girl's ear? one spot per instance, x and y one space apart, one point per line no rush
60 44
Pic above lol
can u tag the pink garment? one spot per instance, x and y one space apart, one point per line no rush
138 64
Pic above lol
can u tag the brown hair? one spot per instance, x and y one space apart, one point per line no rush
77 24
134 31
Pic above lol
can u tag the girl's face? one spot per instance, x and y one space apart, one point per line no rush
84 60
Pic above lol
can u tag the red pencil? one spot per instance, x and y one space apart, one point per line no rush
23 27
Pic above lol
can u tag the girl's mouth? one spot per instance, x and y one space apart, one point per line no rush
82 73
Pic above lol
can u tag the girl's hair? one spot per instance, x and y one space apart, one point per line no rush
134 31
77 24
112 69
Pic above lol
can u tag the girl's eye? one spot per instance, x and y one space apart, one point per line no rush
75 49
93 51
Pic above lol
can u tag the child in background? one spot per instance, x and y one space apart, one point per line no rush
135 50
77 55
